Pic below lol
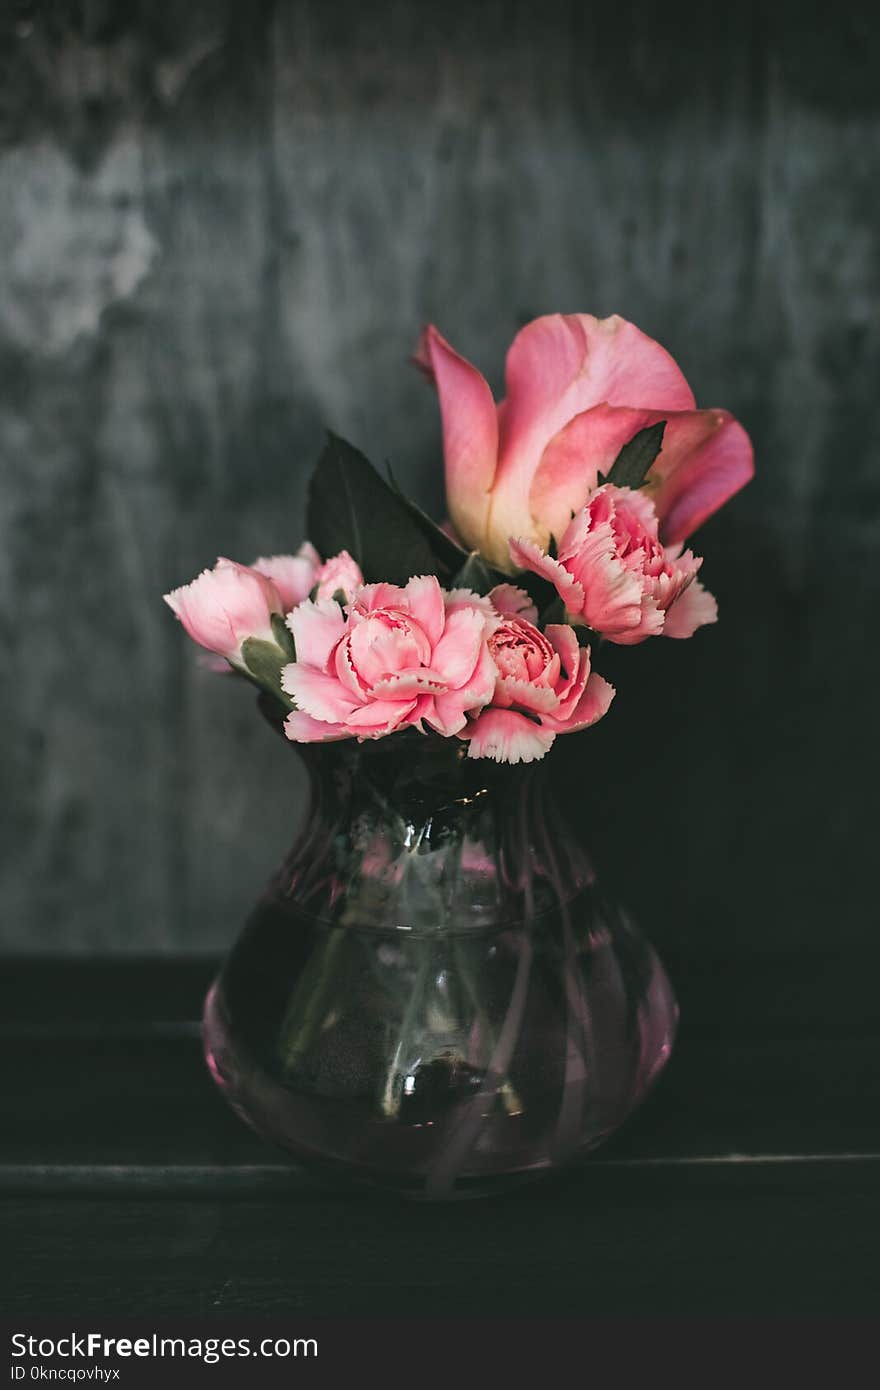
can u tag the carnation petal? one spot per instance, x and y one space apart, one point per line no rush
345 670
692 609
575 661
224 606
512 602
292 575
448 711
592 705
526 555
612 591
408 683
318 693
302 728
508 737
203 620
455 655
425 602
341 573
316 627
650 624
384 645
563 640
379 717
526 695
453 599
375 596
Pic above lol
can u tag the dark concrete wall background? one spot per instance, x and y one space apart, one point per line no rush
221 226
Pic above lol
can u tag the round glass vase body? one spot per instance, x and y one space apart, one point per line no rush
431 994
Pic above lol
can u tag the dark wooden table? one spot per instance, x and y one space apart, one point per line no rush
749 1183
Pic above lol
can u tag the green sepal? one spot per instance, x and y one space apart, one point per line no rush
446 551
283 636
554 612
636 457
265 662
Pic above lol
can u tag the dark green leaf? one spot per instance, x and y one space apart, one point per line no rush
636 457
475 574
350 507
445 549
283 636
265 662
554 612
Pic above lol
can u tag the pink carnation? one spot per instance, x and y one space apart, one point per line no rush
402 656
613 573
294 576
340 574
544 686
226 605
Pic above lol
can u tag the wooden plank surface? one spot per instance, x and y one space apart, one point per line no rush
747 1242
748 1183
103 1066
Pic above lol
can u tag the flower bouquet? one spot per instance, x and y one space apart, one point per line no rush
432 993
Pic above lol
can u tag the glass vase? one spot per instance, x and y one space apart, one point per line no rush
432 994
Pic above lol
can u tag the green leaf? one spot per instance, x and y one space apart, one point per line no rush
264 662
445 549
636 457
554 612
350 507
475 574
283 636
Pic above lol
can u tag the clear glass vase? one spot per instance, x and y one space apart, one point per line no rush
432 994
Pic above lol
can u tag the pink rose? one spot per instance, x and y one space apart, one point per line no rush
339 574
401 657
294 576
613 573
544 686
225 605
578 389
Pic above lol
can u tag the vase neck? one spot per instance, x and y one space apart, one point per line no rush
410 834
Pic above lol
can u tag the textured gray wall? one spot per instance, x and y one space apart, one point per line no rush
221 226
